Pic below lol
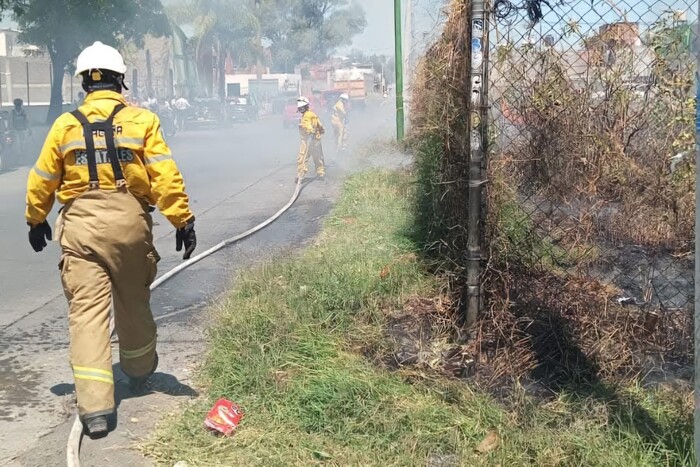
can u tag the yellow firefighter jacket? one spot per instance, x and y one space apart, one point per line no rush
149 169
339 114
310 124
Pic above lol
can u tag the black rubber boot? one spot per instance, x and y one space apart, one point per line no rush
138 385
96 425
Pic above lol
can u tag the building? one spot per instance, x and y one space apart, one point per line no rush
25 73
162 66
269 86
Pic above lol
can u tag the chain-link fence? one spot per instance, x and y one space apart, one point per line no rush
591 169
582 122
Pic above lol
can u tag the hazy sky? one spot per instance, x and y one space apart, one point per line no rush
378 36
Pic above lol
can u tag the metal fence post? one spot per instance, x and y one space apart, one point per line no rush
149 77
29 99
478 141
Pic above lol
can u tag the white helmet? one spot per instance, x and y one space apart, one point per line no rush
102 57
302 102
344 96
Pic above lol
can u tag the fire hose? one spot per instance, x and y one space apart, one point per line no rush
76 433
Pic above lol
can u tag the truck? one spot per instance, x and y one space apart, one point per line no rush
356 82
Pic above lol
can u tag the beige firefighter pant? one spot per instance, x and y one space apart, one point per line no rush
107 259
310 146
341 136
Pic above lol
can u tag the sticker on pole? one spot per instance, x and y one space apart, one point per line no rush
475 120
224 417
476 45
475 140
477 27
476 96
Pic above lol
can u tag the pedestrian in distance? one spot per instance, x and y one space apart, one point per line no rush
311 131
20 123
181 106
107 163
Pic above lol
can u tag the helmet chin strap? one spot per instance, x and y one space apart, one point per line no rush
101 86
98 83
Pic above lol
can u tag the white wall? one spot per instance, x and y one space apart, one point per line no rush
243 79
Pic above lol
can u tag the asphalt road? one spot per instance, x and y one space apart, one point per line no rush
236 178
216 164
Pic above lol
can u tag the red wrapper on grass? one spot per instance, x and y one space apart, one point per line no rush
224 417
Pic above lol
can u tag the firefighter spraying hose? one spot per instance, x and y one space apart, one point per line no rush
311 131
339 121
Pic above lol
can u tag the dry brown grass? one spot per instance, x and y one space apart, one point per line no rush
598 144
439 125
579 173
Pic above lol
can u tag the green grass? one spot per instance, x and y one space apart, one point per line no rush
519 240
285 345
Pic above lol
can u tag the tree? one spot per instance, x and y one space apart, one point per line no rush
65 27
293 31
227 27
309 30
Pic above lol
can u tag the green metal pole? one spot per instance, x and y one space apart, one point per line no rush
398 59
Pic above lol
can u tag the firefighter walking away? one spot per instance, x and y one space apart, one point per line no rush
311 131
107 163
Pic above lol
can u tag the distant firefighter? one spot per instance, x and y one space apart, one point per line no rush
311 131
339 121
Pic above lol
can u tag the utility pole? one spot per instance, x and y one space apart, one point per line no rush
408 45
398 60
29 99
478 148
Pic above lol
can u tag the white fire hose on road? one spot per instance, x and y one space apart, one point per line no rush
76 433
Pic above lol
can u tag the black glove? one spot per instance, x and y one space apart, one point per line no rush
38 235
186 236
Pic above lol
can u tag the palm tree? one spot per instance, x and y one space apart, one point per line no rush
223 28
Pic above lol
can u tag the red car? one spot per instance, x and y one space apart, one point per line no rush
290 115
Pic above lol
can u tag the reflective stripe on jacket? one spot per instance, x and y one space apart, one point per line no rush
151 174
